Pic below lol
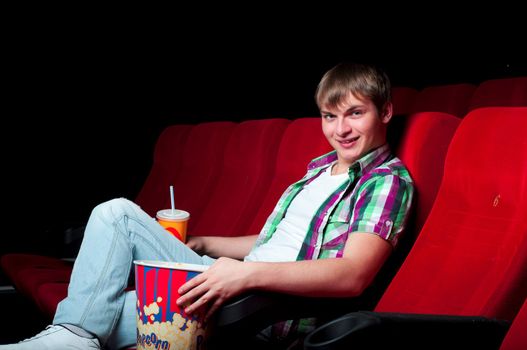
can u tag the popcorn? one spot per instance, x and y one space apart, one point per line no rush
178 334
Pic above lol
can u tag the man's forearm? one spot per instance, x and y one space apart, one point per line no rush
231 247
348 276
321 278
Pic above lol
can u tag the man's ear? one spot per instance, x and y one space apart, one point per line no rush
387 113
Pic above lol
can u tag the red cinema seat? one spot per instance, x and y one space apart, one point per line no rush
484 191
168 155
424 144
248 169
26 271
466 270
510 92
452 99
302 141
198 176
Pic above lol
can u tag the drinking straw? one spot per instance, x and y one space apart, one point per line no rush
172 198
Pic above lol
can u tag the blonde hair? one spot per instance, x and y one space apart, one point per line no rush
362 80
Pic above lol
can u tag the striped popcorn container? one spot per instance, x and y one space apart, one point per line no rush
161 323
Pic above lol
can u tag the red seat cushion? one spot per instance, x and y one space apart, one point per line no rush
13 264
29 279
49 295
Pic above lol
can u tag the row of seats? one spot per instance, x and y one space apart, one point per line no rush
459 99
221 168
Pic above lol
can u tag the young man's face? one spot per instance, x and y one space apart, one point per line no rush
354 128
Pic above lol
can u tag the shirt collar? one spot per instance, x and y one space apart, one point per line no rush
369 161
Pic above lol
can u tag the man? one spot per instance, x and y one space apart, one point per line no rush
340 222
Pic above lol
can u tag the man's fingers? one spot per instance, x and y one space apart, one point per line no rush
199 303
191 284
192 291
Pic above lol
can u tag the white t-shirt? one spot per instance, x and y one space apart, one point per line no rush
286 242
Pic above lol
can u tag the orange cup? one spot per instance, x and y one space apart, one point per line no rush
174 221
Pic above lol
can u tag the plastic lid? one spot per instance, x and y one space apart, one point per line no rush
172 265
176 214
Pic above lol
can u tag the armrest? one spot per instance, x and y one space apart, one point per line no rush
253 312
367 330
237 323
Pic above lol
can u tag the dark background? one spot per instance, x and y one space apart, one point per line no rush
85 102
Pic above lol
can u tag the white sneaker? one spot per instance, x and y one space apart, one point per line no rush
55 338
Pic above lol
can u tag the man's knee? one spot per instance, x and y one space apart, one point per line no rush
114 209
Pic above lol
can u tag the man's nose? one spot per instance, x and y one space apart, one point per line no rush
343 127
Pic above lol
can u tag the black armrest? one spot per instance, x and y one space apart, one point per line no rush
256 311
237 323
251 313
371 330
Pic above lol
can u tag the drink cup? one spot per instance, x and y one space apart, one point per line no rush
174 221
161 323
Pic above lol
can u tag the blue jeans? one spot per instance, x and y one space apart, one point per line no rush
117 233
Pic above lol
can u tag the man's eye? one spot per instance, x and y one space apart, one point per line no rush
356 114
328 116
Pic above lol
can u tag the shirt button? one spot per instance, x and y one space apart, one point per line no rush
388 222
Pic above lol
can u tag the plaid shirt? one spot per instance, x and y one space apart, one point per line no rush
376 198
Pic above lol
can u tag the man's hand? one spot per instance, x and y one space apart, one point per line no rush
197 244
225 279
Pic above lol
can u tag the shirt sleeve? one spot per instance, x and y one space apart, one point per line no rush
382 207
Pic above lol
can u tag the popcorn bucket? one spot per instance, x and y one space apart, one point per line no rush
161 323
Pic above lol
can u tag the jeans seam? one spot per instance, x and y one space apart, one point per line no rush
99 280
119 310
159 248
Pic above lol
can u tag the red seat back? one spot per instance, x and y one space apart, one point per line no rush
500 92
168 154
197 175
471 256
452 99
302 141
423 147
248 168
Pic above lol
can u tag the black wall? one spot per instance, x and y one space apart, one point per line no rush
84 116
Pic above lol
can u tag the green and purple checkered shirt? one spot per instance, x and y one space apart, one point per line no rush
376 198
